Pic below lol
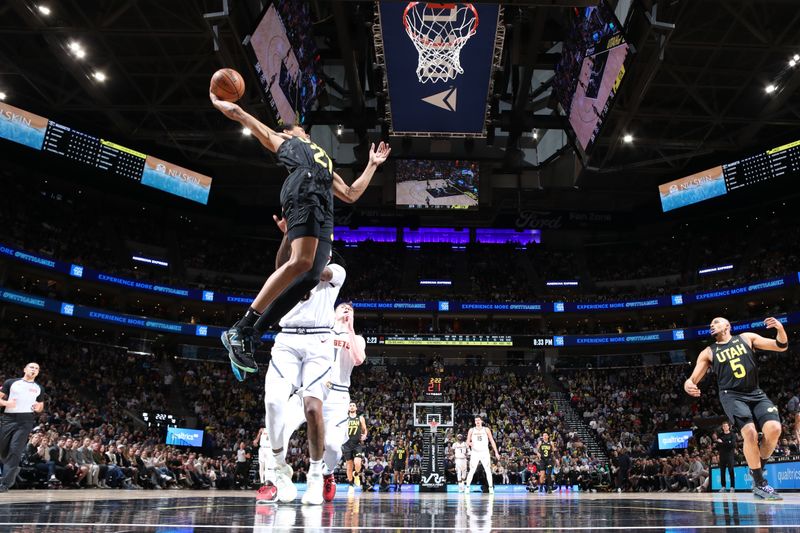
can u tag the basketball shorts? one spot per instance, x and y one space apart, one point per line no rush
461 467
399 466
743 408
302 362
334 413
480 457
352 450
307 202
546 467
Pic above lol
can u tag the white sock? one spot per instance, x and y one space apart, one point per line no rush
315 468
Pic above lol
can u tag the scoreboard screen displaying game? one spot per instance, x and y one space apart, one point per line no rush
430 184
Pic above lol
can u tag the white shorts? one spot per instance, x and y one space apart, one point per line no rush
480 457
334 415
334 412
461 468
303 361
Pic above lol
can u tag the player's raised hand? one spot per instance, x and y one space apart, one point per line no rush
229 109
773 323
280 222
379 155
691 389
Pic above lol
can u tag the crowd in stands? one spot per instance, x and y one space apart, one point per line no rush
91 432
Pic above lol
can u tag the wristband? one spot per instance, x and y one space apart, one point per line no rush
781 344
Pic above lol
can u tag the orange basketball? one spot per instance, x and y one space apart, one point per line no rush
227 84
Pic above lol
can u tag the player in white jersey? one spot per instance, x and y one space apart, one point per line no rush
301 360
348 353
265 460
478 440
460 459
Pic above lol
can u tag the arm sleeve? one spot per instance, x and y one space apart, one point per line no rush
339 275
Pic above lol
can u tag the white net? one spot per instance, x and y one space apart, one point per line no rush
439 32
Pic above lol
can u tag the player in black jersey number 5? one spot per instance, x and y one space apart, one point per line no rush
748 408
307 203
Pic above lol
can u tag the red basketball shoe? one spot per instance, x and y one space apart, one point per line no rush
329 488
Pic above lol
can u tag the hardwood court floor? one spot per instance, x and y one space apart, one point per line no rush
229 511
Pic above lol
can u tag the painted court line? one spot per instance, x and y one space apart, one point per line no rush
408 528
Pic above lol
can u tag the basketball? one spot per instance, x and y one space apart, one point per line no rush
227 84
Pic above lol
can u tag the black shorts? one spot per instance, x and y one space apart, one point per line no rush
743 408
351 451
307 205
399 467
546 467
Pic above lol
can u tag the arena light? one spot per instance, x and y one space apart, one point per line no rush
562 283
246 131
339 130
796 57
769 89
792 62
714 269
77 49
627 138
149 261
2 95
535 134
44 10
435 282
99 76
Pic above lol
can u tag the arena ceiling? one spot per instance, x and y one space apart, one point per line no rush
694 92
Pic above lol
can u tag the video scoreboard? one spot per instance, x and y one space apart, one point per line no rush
64 141
776 162
93 151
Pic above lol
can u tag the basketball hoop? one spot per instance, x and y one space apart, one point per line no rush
433 424
439 32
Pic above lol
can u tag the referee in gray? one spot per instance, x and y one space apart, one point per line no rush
20 399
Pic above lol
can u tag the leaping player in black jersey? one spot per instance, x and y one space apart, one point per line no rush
748 408
307 202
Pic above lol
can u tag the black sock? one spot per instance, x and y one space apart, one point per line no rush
249 319
758 475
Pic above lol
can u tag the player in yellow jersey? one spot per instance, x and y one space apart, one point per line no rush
352 449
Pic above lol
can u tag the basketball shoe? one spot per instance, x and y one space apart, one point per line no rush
241 345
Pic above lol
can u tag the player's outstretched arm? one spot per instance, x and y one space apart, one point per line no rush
363 428
779 344
270 138
469 439
350 193
700 369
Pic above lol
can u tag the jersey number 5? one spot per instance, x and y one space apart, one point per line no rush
738 369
